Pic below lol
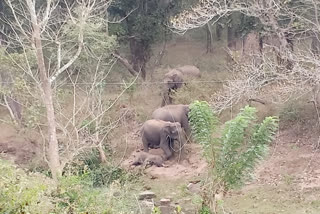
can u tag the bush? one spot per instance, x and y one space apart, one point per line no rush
243 143
22 192
234 155
203 122
87 165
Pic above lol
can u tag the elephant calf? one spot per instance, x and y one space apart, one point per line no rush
174 113
161 133
145 159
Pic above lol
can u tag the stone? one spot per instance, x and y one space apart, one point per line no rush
165 201
146 195
194 188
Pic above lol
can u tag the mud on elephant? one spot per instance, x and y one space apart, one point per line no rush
174 113
158 133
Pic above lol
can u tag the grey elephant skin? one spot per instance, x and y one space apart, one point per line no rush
174 113
189 70
158 133
173 80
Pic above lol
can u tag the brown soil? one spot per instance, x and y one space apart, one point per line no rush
15 147
288 180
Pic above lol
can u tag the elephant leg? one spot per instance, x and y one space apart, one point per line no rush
145 144
165 98
164 145
186 127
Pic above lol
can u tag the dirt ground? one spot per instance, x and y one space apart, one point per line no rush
286 181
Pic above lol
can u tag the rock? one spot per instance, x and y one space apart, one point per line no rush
194 188
165 202
146 195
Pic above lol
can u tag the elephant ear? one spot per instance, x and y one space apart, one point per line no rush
167 129
175 127
171 128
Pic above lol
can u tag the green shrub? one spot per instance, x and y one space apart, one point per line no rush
87 166
203 122
243 144
205 210
290 113
234 155
24 193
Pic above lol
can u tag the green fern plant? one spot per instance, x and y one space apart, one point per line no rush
234 155
203 123
243 144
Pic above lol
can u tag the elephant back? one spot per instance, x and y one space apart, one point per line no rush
189 70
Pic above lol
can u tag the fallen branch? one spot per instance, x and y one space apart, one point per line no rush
126 64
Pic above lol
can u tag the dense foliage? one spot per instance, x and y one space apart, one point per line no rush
242 144
23 192
203 123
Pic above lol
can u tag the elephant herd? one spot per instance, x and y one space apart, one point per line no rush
169 123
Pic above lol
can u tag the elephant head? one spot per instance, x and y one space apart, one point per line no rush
173 130
172 81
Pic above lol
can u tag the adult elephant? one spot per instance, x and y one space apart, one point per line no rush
189 70
172 81
159 133
174 113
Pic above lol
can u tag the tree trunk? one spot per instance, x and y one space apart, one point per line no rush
126 64
14 109
209 38
140 56
231 36
53 156
218 31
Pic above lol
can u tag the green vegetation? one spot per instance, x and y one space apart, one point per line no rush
23 192
243 143
235 154
203 123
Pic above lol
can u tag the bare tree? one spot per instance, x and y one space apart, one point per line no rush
35 27
284 23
